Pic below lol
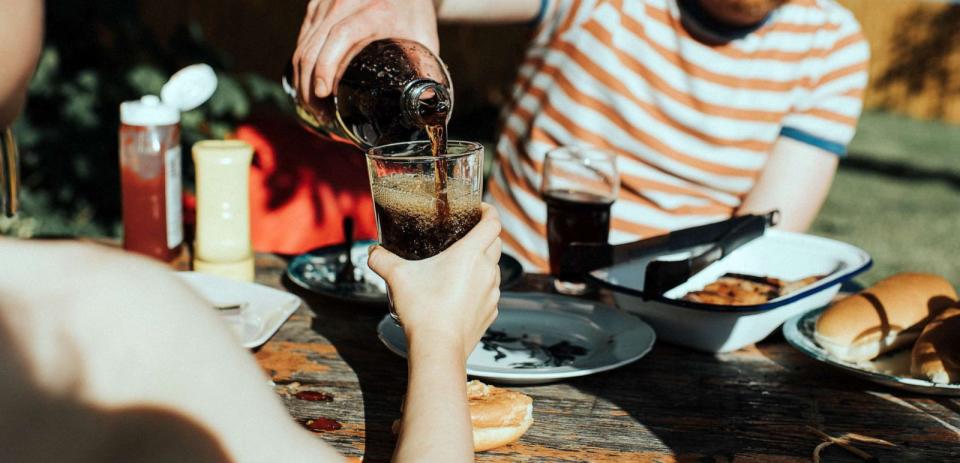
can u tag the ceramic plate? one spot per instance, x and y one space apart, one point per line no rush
316 271
540 338
261 309
891 369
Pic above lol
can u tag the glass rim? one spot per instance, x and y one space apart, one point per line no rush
472 148
580 151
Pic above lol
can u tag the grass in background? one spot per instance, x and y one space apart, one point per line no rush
897 195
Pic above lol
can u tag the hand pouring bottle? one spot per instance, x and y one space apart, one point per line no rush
392 91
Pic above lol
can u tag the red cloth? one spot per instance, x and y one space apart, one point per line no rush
302 187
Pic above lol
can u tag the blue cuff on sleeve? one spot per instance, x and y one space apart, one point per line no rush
543 10
806 137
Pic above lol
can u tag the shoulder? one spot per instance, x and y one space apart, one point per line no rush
830 31
828 16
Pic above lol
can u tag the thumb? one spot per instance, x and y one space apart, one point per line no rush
382 261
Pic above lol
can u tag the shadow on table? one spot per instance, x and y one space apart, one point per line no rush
382 375
694 406
701 407
754 405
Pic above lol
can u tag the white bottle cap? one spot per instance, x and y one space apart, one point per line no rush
189 87
148 111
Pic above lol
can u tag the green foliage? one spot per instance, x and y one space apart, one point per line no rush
898 196
98 54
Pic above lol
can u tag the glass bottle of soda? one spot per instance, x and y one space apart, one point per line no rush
394 90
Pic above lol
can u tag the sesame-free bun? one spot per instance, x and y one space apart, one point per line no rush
936 355
499 416
884 317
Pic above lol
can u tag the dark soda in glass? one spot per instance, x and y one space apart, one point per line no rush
411 226
574 216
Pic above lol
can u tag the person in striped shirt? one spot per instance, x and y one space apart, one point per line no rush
713 107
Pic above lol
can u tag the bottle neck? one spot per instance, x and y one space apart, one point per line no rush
427 103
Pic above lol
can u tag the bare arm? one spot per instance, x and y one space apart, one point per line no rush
488 11
115 341
441 331
796 181
333 31
125 358
21 30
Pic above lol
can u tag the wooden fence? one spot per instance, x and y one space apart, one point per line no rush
915 65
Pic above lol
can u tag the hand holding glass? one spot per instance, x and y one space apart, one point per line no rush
424 203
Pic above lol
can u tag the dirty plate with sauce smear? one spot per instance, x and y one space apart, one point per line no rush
318 271
541 338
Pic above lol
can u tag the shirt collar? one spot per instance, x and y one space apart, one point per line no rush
701 25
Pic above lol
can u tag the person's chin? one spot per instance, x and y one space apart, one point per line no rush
740 13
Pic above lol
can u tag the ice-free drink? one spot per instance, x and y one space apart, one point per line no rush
579 185
418 216
410 224
574 216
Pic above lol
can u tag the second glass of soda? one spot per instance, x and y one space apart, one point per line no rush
579 185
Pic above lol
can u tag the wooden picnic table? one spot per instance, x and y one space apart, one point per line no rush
753 405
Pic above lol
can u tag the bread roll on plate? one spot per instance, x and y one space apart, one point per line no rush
936 355
499 416
884 317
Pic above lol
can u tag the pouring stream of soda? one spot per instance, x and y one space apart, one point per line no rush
434 111
438 146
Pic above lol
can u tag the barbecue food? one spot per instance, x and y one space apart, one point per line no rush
884 317
936 355
739 289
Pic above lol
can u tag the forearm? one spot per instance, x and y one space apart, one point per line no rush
795 181
111 332
488 11
436 418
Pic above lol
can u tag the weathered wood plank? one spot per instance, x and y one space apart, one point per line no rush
753 405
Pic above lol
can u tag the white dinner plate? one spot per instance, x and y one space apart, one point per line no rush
540 338
262 309
891 369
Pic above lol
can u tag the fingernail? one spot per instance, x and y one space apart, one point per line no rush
321 88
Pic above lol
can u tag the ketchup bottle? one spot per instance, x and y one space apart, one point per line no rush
150 163
150 178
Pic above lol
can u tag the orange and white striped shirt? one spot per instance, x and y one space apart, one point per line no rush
692 124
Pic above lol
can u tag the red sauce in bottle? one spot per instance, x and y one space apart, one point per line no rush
150 186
